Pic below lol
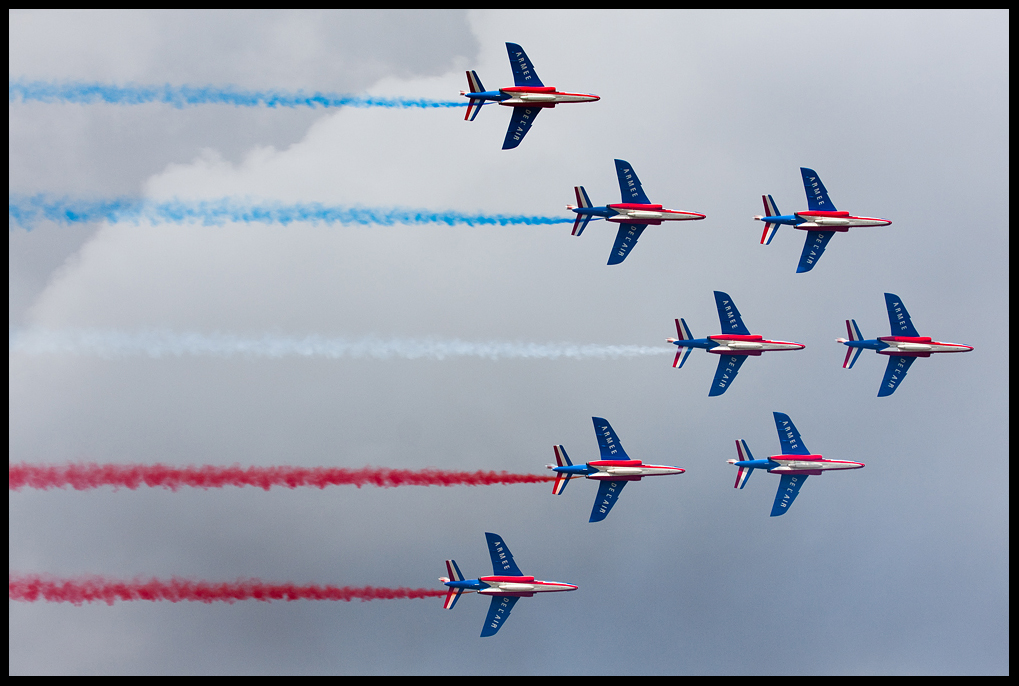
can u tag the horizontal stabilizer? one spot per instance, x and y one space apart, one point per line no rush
580 223
770 208
451 598
474 83
769 232
684 353
853 353
473 107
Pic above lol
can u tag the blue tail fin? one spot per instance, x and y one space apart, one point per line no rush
817 195
523 70
611 448
728 316
629 185
898 317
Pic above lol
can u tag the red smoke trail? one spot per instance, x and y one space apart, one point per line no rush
30 588
86 475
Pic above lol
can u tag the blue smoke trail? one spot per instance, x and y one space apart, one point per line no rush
110 344
86 93
26 211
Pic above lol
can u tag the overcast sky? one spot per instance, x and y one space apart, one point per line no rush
901 567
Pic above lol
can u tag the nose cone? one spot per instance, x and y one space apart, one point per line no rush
799 346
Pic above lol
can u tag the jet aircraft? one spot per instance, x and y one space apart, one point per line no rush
821 220
527 96
634 213
612 471
507 585
732 346
902 347
795 464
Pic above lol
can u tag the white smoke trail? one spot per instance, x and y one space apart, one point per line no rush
109 344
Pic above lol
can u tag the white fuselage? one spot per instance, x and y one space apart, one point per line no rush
546 98
608 472
799 463
499 585
662 215
749 346
932 347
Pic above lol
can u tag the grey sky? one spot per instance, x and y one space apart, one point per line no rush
901 567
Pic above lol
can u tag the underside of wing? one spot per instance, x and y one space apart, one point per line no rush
626 238
895 372
630 189
502 559
520 124
498 611
728 367
608 493
788 489
813 247
789 436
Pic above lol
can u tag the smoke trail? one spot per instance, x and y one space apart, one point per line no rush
108 344
26 211
30 588
87 93
89 475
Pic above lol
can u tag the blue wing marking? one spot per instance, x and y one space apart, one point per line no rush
813 247
523 70
520 124
498 611
895 372
728 316
898 317
608 442
626 238
608 493
788 436
788 489
817 194
629 185
728 367
502 559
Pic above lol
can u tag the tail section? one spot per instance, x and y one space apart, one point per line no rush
744 472
683 333
454 593
474 86
582 219
562 460
854 335
770 210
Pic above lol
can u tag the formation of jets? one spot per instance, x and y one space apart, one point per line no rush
821 220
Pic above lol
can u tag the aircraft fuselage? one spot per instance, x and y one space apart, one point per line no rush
617 470
524 586
735 344
530 96
636 213
819 220
797 464
914 346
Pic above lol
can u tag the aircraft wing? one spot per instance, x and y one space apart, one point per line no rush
788 489
629 185
608 442
520 124
895 372
728 367
608 493
523 70
502 559
788 436
728 316
498 611
898 317
815 244
817 194
626 238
